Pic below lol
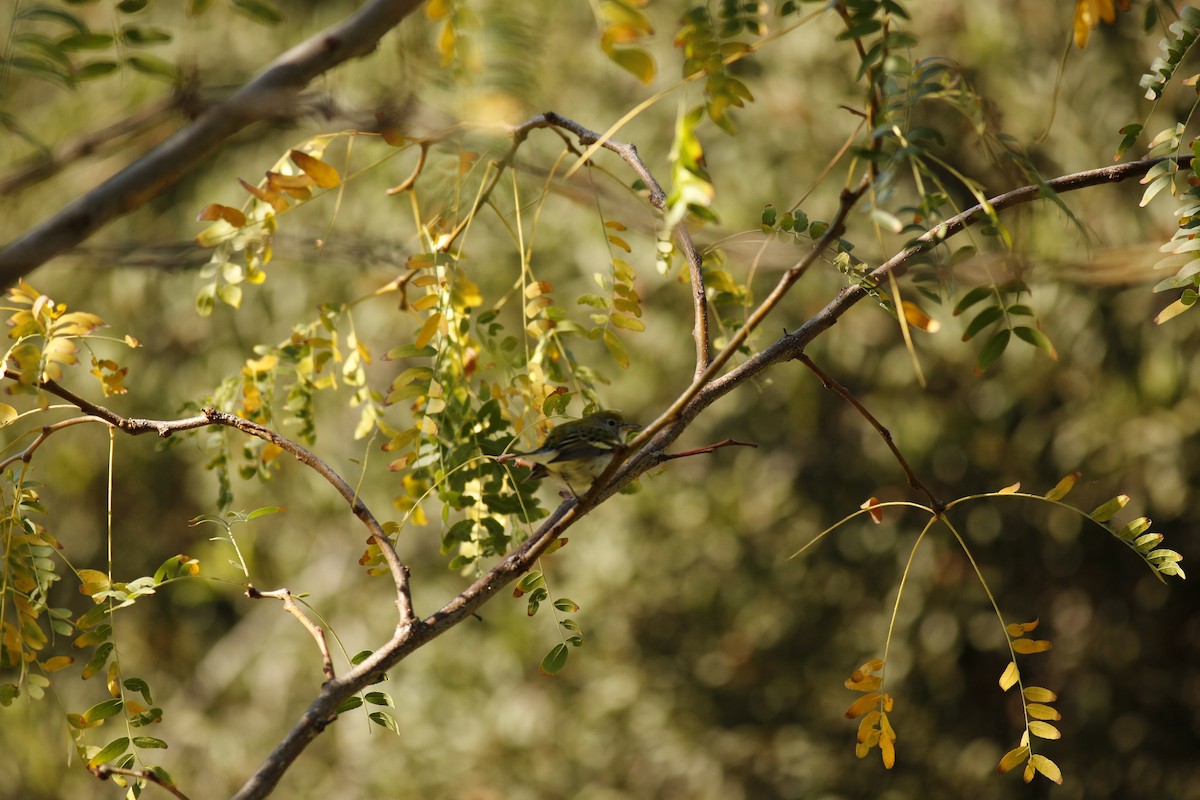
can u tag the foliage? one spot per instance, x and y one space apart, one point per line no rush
515 295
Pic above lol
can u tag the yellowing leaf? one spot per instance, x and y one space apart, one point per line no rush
917 318
7 414
1010 676
55 663
873 507
1011 489
426 334
1044 730
1047 768
1038 694
1012 758
635 61
1064 486
1030 646
323 174
1089 14
215 211
862 705
1108 510
273 199
1042 711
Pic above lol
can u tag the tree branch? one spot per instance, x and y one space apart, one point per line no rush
317 632
166 164
211 416
913 481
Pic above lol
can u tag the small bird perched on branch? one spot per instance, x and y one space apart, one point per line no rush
577 452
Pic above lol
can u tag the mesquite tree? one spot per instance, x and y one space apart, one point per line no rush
537 265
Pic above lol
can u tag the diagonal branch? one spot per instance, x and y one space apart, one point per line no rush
164 166
211 416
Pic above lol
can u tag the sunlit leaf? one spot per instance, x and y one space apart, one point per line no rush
1107 511
1012 758
1030 646
1042 711
110 751
1063 487
862 705
917 318
1010 676
554 661
1038 694
324 175
1047 768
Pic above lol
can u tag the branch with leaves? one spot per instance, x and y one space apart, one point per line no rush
158 170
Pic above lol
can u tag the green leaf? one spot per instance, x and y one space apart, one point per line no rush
110 751
153 66
1107 511
260 11
627 322
350 704
379 699
992 350
149 743
555 660
566 605
102 711
384 720
1038 339
140 686
635 61
144 35
86 41
132 6
53 14
982 320
95 69
616 348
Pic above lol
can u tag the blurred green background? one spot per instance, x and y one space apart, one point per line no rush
712 665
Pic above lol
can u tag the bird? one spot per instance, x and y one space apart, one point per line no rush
577 452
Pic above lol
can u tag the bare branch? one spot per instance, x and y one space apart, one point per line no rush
937 505
162 167
318 633
212 416
708 448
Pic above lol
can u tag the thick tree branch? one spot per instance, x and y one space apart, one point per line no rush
163 166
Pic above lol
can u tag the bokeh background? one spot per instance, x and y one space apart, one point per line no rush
713 664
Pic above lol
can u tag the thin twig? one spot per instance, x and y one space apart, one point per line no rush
106 771
318 633
27 454
913 481
212 416
658 199
711 448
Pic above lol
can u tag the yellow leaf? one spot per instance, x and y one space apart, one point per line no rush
1012 758
273 199
887 751
1062 487
1044 730
216 211
56 663
425 303
866 726
1028 774
1010 489
1107 511
1019 629
1030 646
7 414
1047 768
1038 694
425 335
1043 711
615 225
323 174
1010 676
917 318
113 679
862 705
